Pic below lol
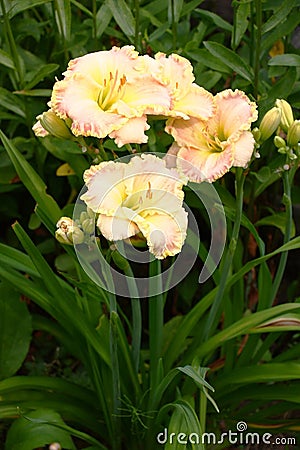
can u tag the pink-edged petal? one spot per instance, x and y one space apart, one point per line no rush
99 65
199 165
176 72
165 232
76 99
148 174
106 189
197 103
131 132
235 113
144 95
39 130
119 226
189 133
243 149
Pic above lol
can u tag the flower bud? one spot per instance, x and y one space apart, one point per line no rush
88 225
54 125
68 232
256 134
293 136
287 117
279 142
38 129
270 123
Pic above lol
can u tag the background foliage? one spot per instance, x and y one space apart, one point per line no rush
57 381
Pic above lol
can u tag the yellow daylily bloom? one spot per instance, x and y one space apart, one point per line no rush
141 196
109 93
187 98
206 150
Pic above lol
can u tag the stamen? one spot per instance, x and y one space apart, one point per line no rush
149 193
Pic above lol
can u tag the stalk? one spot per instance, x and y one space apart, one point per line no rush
216 306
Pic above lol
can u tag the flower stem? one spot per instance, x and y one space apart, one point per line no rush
156 316
288 177
216 306
136 317
137 25
258 9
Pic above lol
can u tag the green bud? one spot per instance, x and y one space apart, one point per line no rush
270 123
68 232
83 216
279 142
256 134
293 136
54 125
287 117
88 225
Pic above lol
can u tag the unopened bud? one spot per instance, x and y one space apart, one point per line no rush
279 142
68 232
256 134
287 117
270 123
55 446
88 225
54 125
293 136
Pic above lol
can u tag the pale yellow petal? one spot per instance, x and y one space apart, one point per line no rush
197 103
76 98
199 165
165 232
188 133
119 226
243 149
147 174
99 65
235 113
131 132
106 189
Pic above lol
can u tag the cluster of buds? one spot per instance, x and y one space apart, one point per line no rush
280 119
71 232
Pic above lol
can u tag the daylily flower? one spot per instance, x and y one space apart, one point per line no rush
141 196
206 150
109 93
176 73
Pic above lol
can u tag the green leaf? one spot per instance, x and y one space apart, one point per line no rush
288 59
241 23
217 20
103 17
36 429
40 74
63 18
204 57
174 10
123 16
230 59
11 102
278 16
35 92
17 6
281 29
32 181
6 60
276 220
195 375
15 331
